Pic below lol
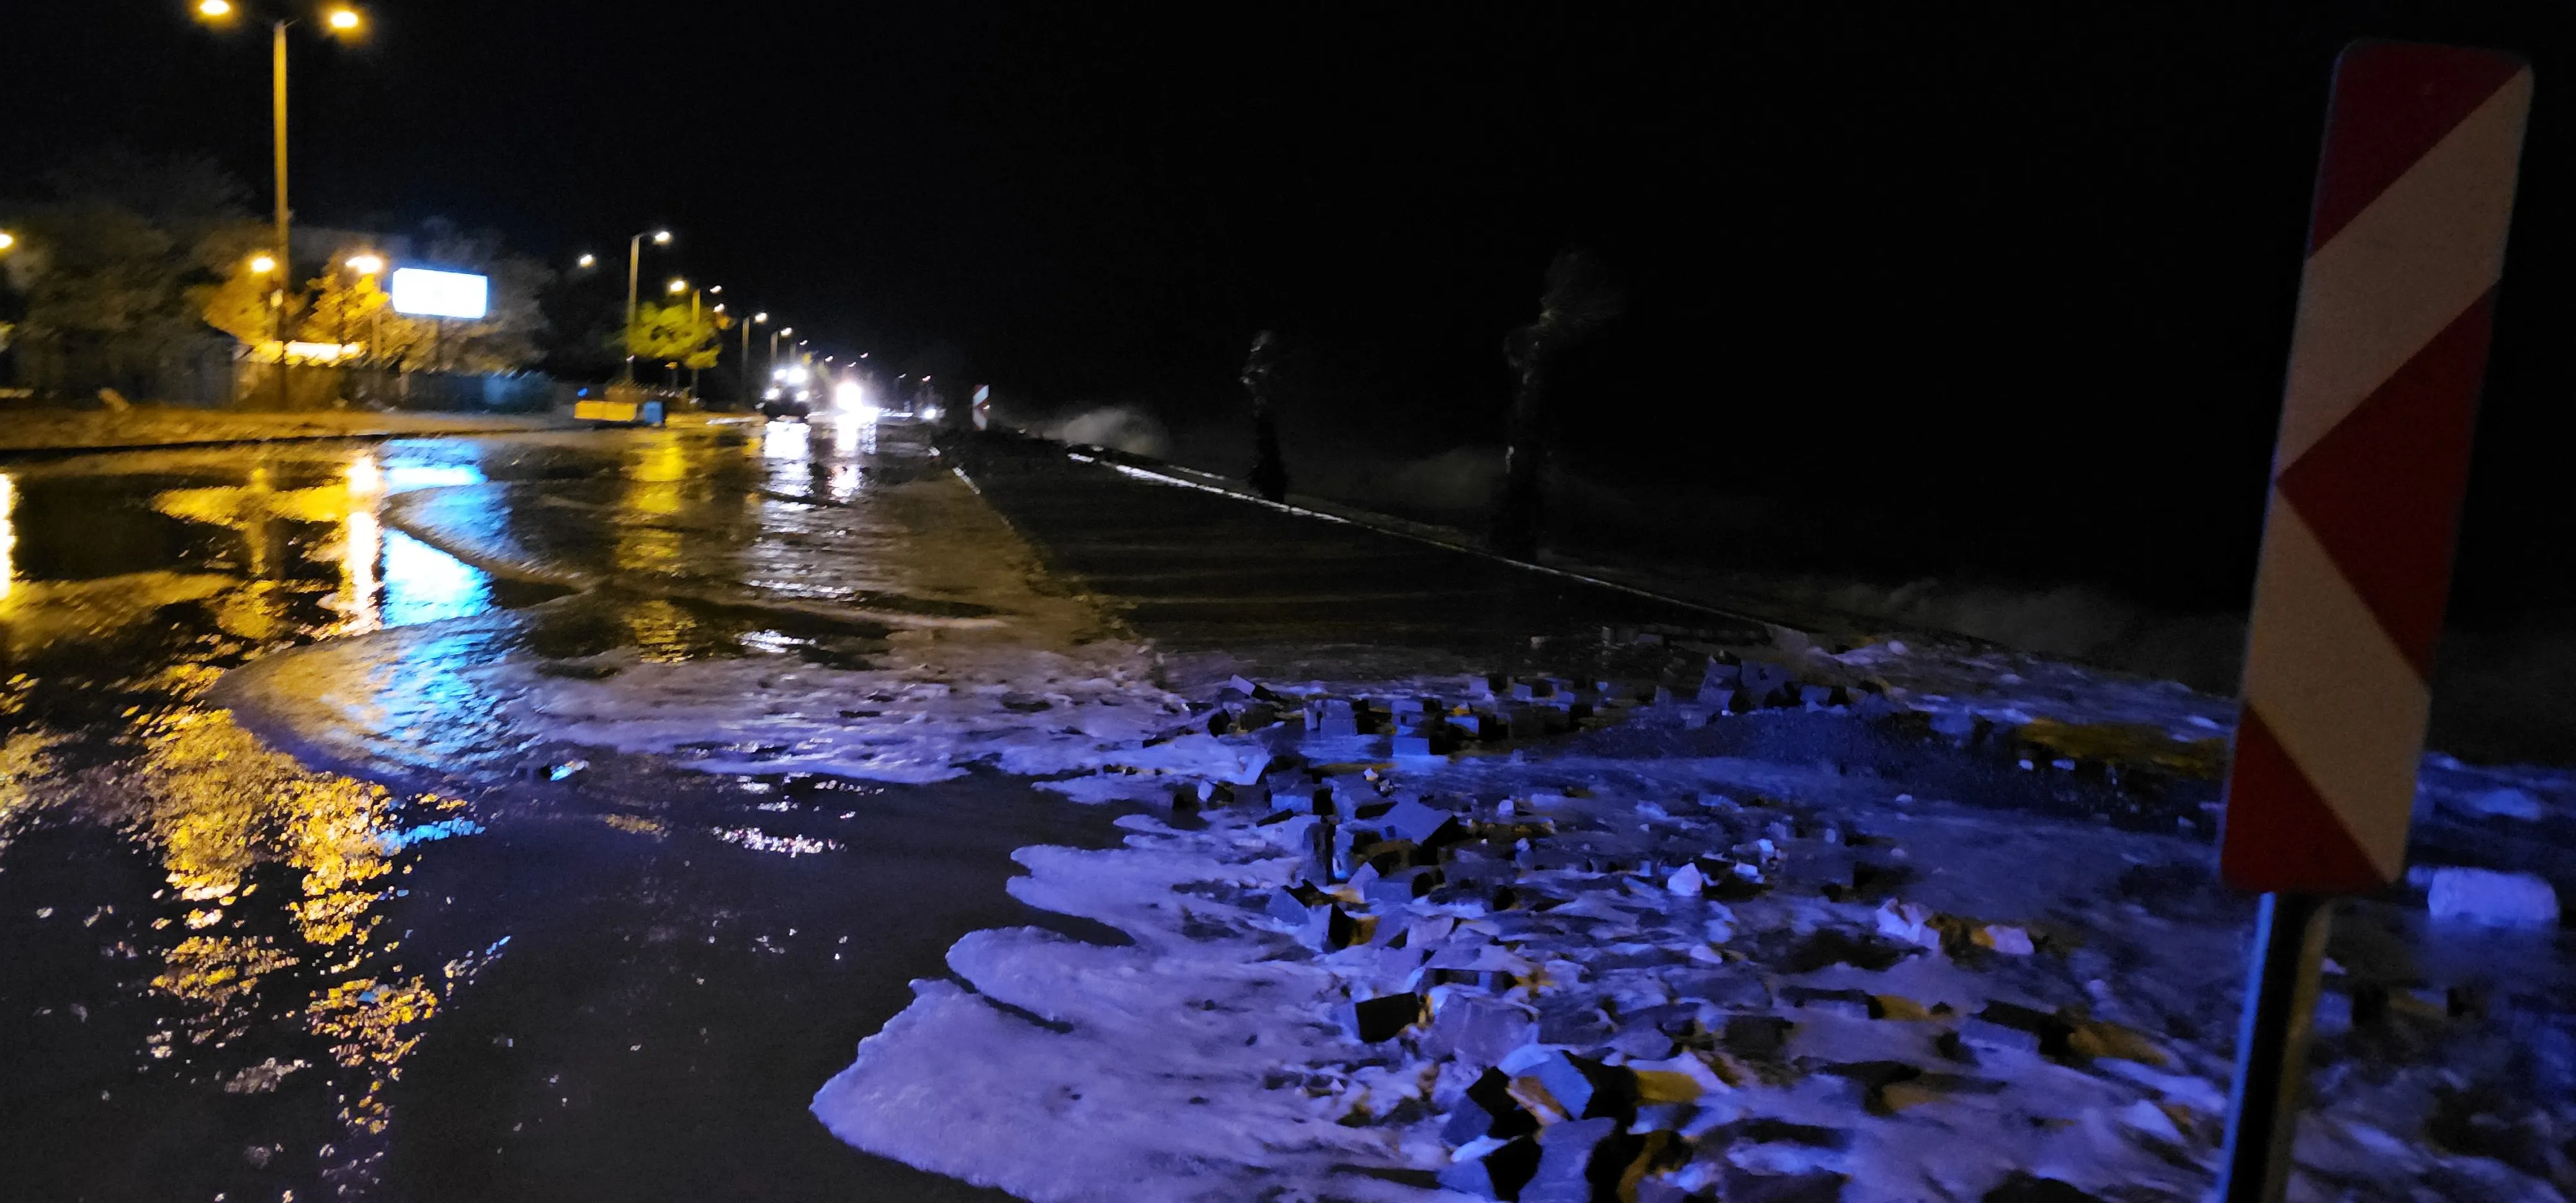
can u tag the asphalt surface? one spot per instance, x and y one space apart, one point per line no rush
224 975
1204 573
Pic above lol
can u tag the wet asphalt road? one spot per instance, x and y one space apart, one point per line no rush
227 975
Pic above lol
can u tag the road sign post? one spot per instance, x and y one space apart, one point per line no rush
2405 244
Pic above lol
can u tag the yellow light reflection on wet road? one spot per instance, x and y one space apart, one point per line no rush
219 807
361 545
648 537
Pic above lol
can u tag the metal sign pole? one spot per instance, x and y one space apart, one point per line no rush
2272 1045
2406 244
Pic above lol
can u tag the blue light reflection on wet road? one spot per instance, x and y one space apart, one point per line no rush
206 917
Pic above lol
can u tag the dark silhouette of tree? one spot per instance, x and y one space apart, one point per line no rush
1580 298
1260 373
113 264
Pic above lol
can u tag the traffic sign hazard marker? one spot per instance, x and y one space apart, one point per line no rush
2413 198
2405 244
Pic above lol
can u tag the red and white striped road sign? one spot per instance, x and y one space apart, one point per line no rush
2414 195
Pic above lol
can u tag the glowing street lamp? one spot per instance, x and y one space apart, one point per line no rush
697 297
261 265
366 265
7 240
586 261
343 21
757 319
634 271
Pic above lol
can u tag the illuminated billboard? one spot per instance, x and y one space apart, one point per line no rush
421 292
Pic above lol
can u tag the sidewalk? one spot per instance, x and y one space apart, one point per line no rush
62 431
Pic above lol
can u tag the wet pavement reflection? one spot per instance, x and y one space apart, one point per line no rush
228 974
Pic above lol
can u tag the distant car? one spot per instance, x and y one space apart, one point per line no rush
787 401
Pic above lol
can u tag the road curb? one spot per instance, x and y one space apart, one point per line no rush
374 436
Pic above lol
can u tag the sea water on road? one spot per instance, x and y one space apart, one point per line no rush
441 952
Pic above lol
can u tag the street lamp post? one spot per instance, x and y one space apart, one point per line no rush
697 297
749 382
634 270
368 266
343 22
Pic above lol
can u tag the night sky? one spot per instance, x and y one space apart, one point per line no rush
2009 287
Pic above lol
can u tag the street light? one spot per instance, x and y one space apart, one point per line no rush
678 286
697 297
343 21
586 261
7 240
367 264
261 265
634 270
757 319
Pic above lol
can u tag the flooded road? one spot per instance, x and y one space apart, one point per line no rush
498 967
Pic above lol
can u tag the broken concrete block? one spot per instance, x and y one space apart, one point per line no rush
1718 682
1755 1035
1394 889
1488 1111
1328 929
1588 1089
1763 679
1575 1024
1384 1017
1334 719
1854 1004
1816 864
1641 1042
1732 986
1480 1031
1288 906
2492 899
1908 923
2008 1027
2506 802
2010 941
1499 1174
1424 825
1566 1155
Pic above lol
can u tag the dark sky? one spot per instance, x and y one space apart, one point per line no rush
2014 278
